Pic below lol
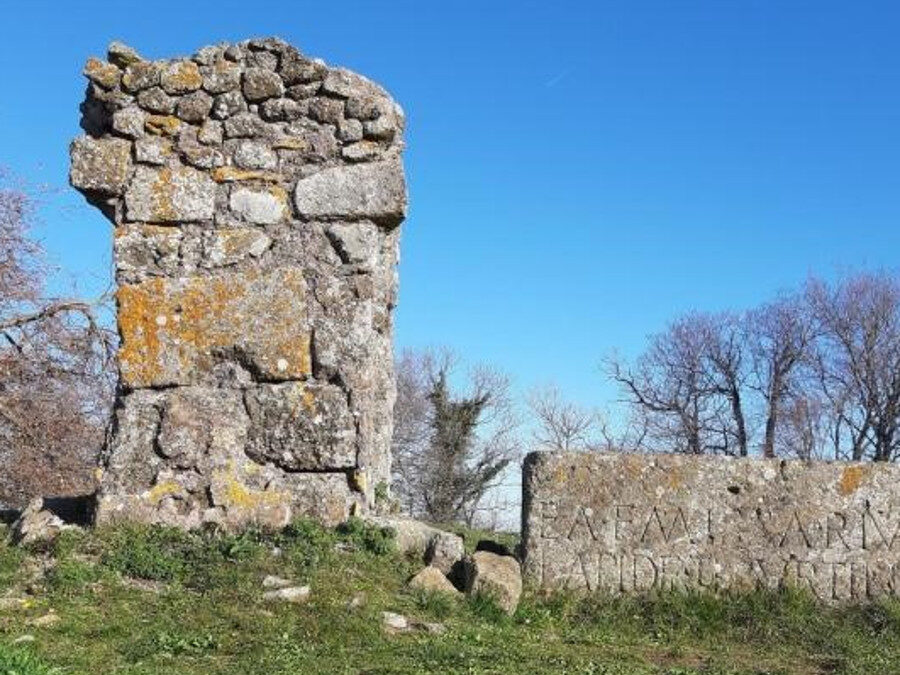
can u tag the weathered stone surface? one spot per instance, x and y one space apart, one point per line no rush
139 76
152 150
260 84
100 164
255 155
129 121
436 547
433 580
301 427
444 551
376 191
170 195
156 100
255 355
294 594
104 74
36 524
495 576
262 206
232 245
121 55
175 331
631 523
228 104
194 107
180 77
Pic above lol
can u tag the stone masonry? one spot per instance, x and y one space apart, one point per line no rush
623 523
256 195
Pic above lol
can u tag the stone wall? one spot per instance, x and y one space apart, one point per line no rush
256 196
631 523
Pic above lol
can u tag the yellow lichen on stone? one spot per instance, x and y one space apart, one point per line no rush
239 495
172 330
162 125
291 143
359 480
104 74
181 77
851 478
164 489
230 174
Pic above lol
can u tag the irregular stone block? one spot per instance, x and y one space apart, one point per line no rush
147 250
168 195
301 427
263 207
627 523
444 551
497 577
174 331
374 191
100 164
260 84
180 77
433 580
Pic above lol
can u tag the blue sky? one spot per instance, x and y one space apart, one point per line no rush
580 172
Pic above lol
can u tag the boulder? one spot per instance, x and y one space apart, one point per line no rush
432 580
293 594
444 551
437 547
36 524
495 576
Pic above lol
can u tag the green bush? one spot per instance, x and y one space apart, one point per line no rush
371 538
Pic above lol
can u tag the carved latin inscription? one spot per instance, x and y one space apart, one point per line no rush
626 523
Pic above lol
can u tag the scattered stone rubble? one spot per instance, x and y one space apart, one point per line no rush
447 567
256 195
37 524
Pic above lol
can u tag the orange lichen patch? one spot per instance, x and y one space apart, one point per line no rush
674 478
182 77
851 478
162 125
230 174
104 74
145 230
309 401
175 331
291 143
236 241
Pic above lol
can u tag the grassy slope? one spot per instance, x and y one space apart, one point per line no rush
199 610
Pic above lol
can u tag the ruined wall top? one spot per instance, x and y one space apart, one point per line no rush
162 135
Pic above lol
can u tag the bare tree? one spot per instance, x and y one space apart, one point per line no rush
724 354
804 429
561 425
780 336
450 449
55 370
859 360
810 375
679 396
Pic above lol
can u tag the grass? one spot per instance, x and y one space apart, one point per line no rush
148 601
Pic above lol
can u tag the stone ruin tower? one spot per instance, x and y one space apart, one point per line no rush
256 196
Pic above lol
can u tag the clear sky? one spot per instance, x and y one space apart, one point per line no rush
580 172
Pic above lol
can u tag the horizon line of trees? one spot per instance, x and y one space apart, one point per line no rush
814 374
